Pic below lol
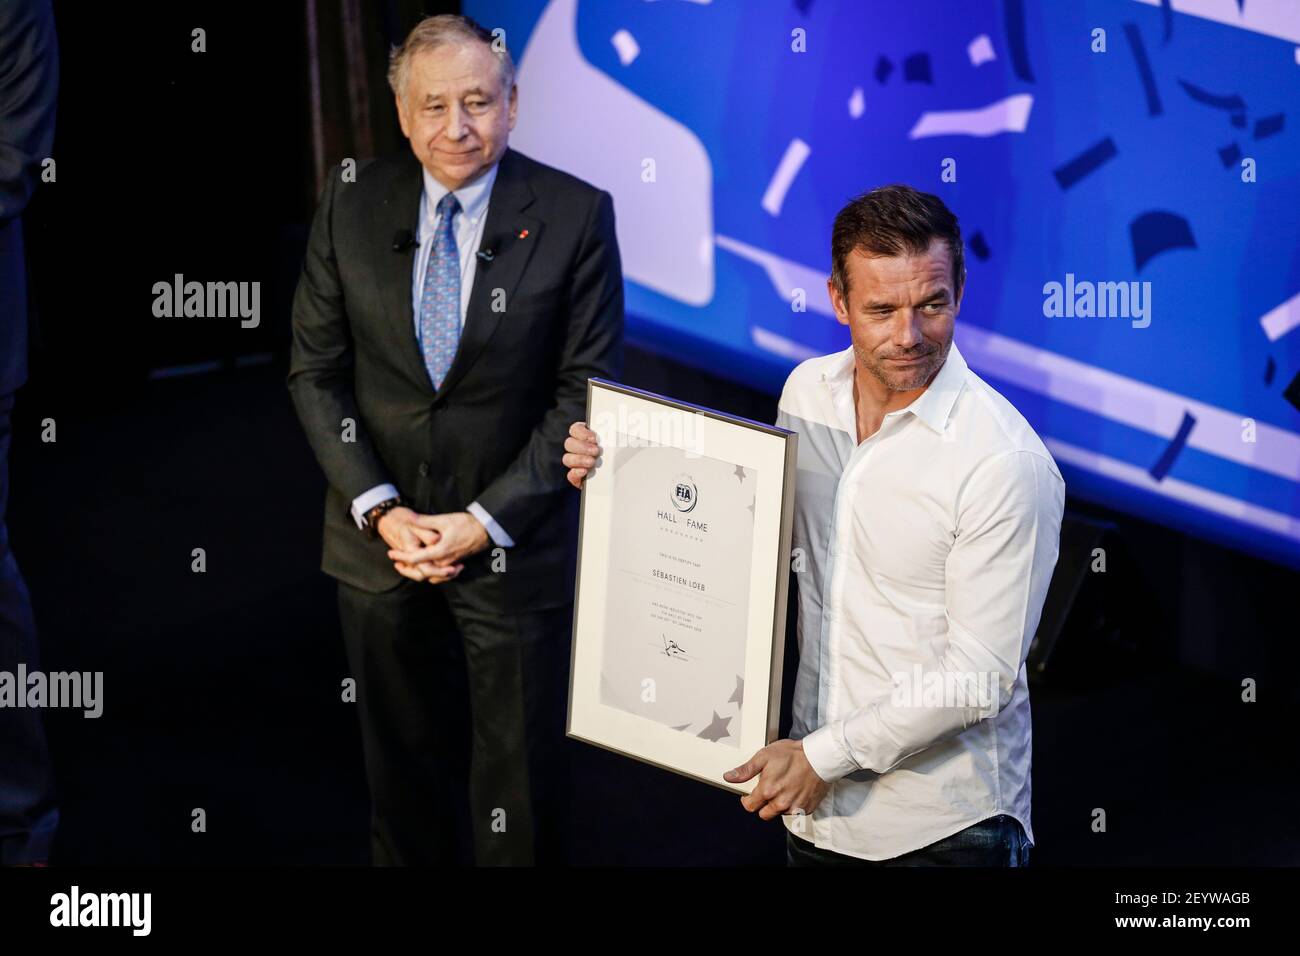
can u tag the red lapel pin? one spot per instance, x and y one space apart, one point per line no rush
523 233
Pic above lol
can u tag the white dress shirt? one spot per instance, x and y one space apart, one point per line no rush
468 226
926 552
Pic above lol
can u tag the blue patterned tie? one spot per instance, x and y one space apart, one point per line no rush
440 299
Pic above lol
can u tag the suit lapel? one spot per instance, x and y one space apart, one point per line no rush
400 211
506 221
511 235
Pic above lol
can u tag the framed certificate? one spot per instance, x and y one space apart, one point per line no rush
683 568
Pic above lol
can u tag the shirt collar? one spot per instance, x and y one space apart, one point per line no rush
473 198
933 406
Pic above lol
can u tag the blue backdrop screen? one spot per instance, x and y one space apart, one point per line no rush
1138 155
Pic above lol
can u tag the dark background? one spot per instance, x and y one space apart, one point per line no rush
222 689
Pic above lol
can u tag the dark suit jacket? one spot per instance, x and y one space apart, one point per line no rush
29 82
495 429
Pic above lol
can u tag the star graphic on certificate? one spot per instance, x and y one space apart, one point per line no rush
740 473
738 695
716 730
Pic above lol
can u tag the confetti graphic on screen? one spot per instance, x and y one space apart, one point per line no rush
1118 143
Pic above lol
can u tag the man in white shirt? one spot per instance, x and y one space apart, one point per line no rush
927 526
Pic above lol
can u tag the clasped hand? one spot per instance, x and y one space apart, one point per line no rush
431 547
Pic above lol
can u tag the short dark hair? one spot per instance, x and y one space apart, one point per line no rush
890 221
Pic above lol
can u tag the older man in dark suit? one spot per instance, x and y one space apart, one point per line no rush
453 302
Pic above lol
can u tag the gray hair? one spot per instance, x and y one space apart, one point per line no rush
445 28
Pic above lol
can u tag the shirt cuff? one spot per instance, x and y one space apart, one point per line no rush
494 530
827 753
367 500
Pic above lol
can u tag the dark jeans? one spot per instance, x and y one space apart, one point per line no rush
997 841
28 816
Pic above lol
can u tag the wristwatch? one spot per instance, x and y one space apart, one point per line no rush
372 516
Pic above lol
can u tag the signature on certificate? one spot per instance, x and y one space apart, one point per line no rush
672 648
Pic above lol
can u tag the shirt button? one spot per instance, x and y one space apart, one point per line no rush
424 469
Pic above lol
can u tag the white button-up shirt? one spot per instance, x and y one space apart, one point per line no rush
923 557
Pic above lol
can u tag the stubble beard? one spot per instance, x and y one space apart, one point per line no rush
905 379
